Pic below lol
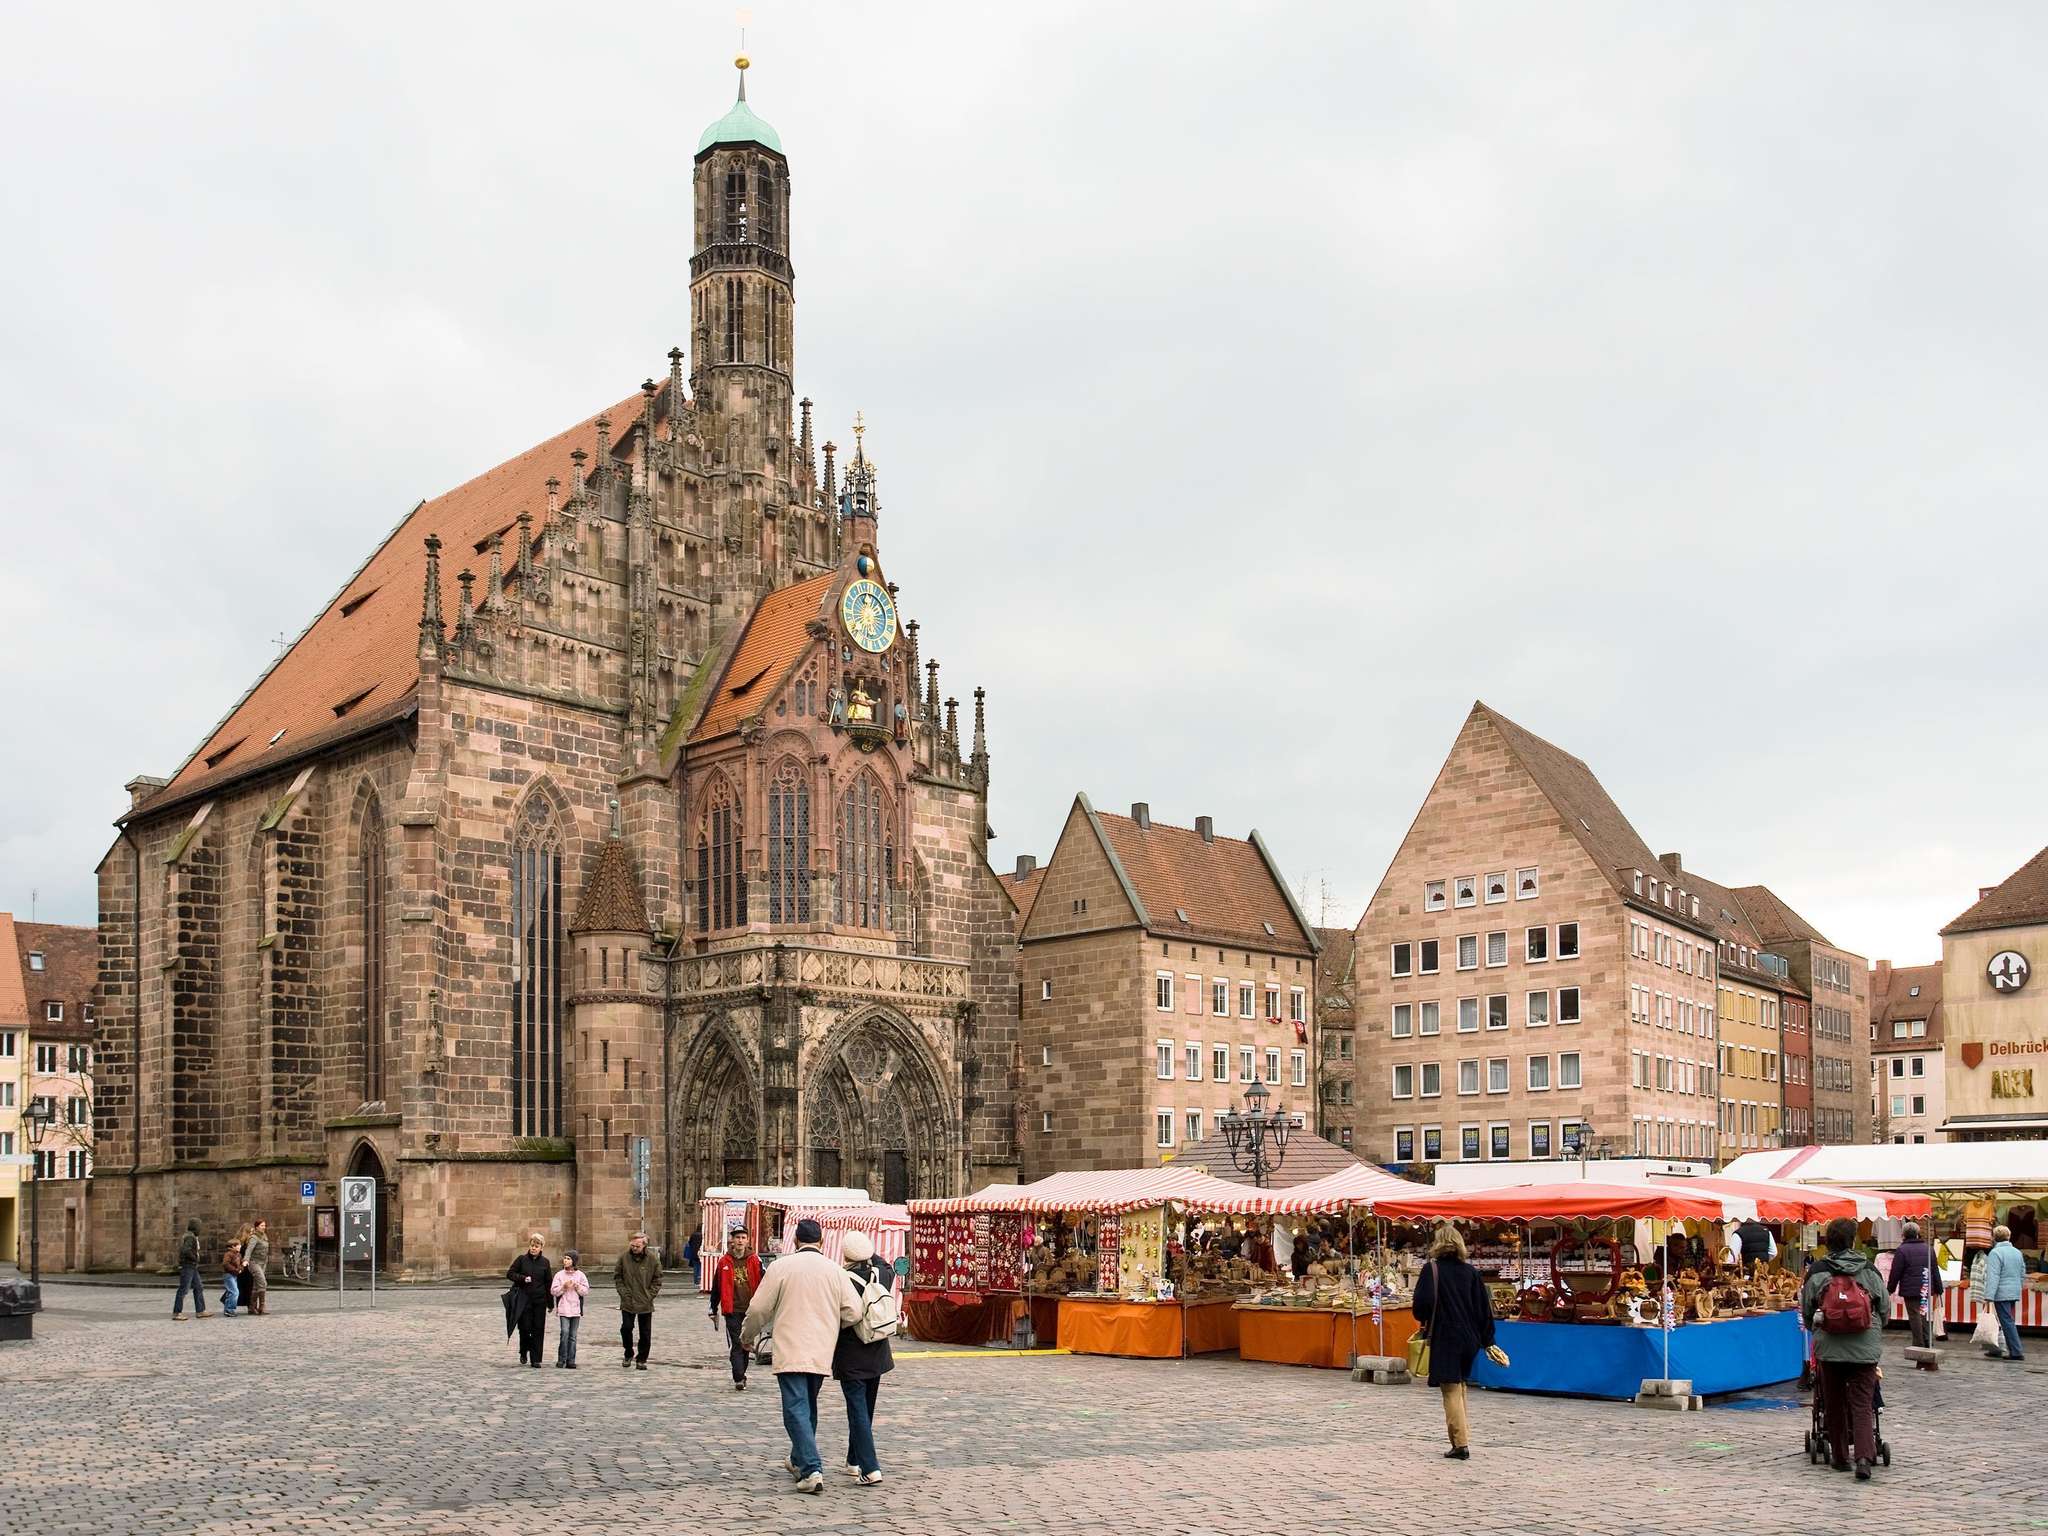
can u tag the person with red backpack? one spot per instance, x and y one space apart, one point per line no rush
1845 1305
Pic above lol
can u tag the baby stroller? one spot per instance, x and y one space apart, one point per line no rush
1818 1449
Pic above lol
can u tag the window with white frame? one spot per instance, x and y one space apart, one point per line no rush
1497 1011
1539 1138
1496 888
1045 989
8 1044
1567 1005
1219 999
1468 951
1569 1135
1432 898
1247 1063
1297 1004
1297 1065
1219 1063
1404 1144
1567 941
88 1013
1403 1024
1465 891
1497 948
77 1111
1537 1006
1400 959
1499 1143
35 959
1404 1081
1272 1064
1165 1118
1468 1143
1272 1000
1568 1069
1496 1074
1426 1019
1247 1006
1194 1125
1193 1066
1535 945
6 1143
1432 1079
6 1093
1539 1074
1468 1075
1162 991
1526 887
1468 1015
1166 1058
1432 1143
1045 1055
53 1012
1427 959
46 1058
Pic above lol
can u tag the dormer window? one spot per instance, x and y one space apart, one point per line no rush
35 960
1912 991
1639 882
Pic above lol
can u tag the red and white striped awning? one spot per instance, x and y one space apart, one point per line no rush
1357 1186
1100 1191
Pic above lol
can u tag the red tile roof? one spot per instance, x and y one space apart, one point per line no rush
1773 919
1024 891
70 975
1897 1001
368 635
1224 886
2021 900
776 636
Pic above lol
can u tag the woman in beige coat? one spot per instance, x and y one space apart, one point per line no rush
804 1300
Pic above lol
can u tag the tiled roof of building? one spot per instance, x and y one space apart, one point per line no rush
367 638
1898 1000
1206 888
1589 812
2020 900
611 896
70 975
1024 891
1772 918
1308 1158
776 635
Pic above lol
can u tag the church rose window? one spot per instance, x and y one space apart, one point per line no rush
537 941
867 856
721 884
789 846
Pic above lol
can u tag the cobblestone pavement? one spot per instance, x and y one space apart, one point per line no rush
414 1418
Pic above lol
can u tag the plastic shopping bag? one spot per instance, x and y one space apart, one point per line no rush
1988 1334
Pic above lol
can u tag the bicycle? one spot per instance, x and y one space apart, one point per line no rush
298 1261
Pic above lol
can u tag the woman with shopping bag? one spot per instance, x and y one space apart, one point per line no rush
1454 1321
1987 1336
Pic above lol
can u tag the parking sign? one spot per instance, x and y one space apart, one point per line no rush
309 1191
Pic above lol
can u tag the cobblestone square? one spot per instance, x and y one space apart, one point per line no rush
413 1417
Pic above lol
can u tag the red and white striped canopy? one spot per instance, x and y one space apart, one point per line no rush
1572 1200
1785 1202
1102 1191
1357 1186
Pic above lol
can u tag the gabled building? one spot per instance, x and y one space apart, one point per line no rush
58 966
1994 996
1837 983
1163 969
608 810
1907 1102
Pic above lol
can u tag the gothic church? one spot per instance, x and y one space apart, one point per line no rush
608 799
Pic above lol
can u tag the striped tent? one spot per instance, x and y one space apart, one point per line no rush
1102 1191
887 1227
1356 1186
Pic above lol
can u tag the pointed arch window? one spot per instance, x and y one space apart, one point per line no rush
721 884
867 856
734 298
537 963
735 205
371 894
764 220
789 845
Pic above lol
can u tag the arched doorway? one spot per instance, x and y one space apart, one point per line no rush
875 1114
364 1163
716 1124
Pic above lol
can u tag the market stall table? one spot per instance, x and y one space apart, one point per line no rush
950 1317
1146 1330
1590 1360
1323 1336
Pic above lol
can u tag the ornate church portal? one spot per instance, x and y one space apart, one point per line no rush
874 1113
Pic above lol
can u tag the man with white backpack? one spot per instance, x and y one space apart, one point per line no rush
862 1356
805 1300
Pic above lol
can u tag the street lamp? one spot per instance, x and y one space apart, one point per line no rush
41 1111
1585 1144
1253 1134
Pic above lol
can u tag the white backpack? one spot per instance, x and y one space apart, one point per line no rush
881 1314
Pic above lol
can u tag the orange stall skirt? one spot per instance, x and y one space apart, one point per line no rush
1145 1330
1307 1336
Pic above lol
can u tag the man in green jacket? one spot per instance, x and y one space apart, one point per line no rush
637 1279
1845 1304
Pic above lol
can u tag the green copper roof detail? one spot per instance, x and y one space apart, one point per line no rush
740 125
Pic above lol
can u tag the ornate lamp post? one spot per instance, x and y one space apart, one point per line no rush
1585 1144
1257 1140
41 1111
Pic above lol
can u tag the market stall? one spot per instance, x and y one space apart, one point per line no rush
759 1210
887 1227
1596 1286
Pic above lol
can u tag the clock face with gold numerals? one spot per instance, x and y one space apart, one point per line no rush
869 616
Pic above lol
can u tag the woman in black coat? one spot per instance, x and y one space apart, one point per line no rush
859 1366
526 1304
1453 1309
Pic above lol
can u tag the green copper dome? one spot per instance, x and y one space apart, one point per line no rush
740 125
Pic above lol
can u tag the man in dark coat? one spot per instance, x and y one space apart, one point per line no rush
526 1304
637 1280
1913 1267
1453 1309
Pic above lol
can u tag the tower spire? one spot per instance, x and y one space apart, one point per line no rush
432 632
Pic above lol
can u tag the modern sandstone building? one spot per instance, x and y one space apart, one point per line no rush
1994 999
1164 969
609 799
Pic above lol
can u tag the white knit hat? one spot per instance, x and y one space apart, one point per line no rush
856 1247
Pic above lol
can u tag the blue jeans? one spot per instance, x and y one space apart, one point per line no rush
800 1418
188 1280
565 1339
2010 1328
230 1293
860 1422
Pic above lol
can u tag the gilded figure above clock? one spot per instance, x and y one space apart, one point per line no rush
869 615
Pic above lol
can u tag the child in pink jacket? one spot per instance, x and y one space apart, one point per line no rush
570 1286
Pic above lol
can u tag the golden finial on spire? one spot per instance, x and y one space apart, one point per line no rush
742 16
860 425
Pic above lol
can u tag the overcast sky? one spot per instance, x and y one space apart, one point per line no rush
1253 387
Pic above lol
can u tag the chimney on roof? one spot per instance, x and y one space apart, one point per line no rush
1672 862
142 786
1026 863
1206 827
1141 813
